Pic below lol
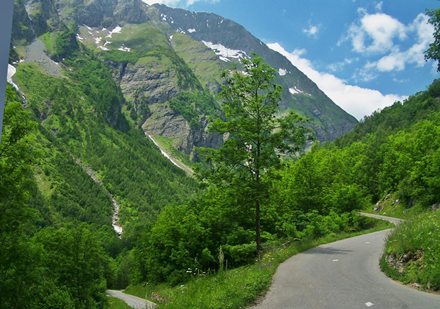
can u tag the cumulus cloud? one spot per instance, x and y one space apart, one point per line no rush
312 31
177 2
355 100
397 60
375 33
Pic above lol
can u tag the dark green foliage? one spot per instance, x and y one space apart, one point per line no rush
194 105
433 51
396 150
95 81
256 136
65 43
77 113
67 265
120 56
239 255
16 185
187 240
32 268
75 260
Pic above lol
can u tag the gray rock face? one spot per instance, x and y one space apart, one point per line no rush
146 85
154 88
166 122
130 11
21 23
202 138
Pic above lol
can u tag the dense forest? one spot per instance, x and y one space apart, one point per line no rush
57 233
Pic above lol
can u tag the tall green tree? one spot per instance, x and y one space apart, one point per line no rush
433 52
257 135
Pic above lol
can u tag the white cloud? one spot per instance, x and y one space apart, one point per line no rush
312 31
397 60
177 2
375 33
392 62
355 100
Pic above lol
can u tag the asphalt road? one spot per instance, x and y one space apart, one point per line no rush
343 274
132 301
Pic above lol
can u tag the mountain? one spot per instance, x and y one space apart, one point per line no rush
230 41
168 63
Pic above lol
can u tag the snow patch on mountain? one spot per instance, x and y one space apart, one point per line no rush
124 48
282 72
225 53
296 90
117 29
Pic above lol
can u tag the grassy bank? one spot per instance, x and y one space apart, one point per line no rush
391 206
115 303
412 252
237 287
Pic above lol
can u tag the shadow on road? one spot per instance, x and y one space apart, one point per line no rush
327 250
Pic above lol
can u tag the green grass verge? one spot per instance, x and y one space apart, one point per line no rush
116 303
412 252
237 287
389 207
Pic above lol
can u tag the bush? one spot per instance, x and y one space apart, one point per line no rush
239 254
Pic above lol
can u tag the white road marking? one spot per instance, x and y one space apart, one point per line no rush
369 304
367 242
335 260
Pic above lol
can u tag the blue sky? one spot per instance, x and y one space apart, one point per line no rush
365 54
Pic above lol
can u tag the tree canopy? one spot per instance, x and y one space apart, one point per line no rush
257 136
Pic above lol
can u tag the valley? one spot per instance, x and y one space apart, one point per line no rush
175 156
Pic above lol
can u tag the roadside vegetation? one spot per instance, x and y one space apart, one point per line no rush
238 287
412 253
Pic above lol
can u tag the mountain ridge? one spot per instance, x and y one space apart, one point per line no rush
146 72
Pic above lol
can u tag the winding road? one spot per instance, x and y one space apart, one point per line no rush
132 301
342 274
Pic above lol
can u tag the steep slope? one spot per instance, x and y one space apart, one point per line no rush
230 41
158 53
80 115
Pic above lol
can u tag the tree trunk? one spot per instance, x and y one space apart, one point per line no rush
257 227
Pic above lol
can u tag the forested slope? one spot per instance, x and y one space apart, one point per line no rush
56 221
394 151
